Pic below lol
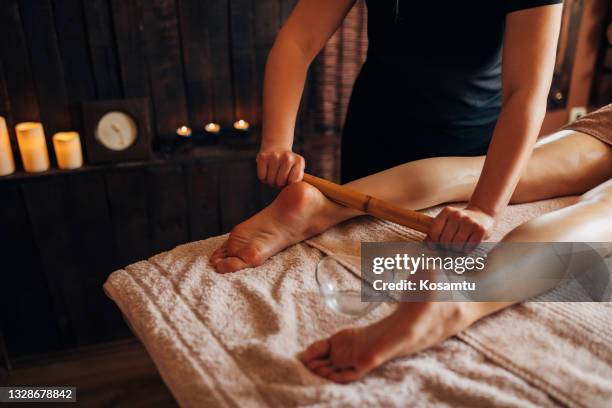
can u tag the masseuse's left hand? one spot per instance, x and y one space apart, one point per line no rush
460 229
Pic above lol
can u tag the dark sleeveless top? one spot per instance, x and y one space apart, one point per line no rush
431 84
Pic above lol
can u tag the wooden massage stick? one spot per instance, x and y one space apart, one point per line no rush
378 208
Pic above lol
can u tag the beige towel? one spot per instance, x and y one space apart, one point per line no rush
231 340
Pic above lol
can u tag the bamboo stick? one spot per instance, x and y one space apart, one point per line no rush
378 208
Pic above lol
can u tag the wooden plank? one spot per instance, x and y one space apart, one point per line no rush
46 202
163 52
267 15
128 20
127 197
168 208
39 29
243 59
120 374
220 60
197 60
202 182
74 52
28 319
19 80
93 242
238 192
103 49
286 9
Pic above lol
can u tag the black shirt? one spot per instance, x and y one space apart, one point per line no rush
431 84
445 53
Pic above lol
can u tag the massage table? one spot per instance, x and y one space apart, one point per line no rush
231 340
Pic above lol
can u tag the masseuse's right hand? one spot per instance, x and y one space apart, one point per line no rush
279 167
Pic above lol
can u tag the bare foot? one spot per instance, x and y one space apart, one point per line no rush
299 212
351 353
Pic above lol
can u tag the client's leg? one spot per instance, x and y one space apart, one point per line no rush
571 164
351 353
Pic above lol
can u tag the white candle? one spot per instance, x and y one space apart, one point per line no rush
68 151
241 125
184 131
212 127
7 164
32 146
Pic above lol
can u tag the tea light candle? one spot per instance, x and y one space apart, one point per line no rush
242 125
68 151
212 127
32 146
184 131
7 164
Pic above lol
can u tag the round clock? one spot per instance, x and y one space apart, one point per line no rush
116 131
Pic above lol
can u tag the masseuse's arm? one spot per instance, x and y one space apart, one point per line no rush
304 34
527 66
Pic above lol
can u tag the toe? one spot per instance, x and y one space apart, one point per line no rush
325 371
344 376
218 254
250 255
230 264
316 364
316 350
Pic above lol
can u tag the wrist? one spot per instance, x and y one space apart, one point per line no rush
473 206
269 146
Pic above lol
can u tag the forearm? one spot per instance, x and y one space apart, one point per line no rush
285 75
517 130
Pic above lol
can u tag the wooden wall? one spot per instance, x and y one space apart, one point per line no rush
63 233
197 60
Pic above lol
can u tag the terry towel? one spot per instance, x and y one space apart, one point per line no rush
231 340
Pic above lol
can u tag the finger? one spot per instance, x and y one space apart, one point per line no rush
450 229
283 171
262 166
465 230
315 364
437 226
475 238
272 171
297 171
315 351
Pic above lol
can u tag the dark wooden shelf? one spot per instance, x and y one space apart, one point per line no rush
196 153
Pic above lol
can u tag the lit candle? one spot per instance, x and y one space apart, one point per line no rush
68 151
7 164
32 146
212 127
184 131
241 125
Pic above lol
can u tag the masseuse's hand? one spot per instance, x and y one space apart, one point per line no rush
279 167
460 229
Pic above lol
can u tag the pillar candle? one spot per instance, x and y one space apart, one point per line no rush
68 151
7 164
32 146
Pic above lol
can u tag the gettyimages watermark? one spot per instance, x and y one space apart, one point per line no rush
492 272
